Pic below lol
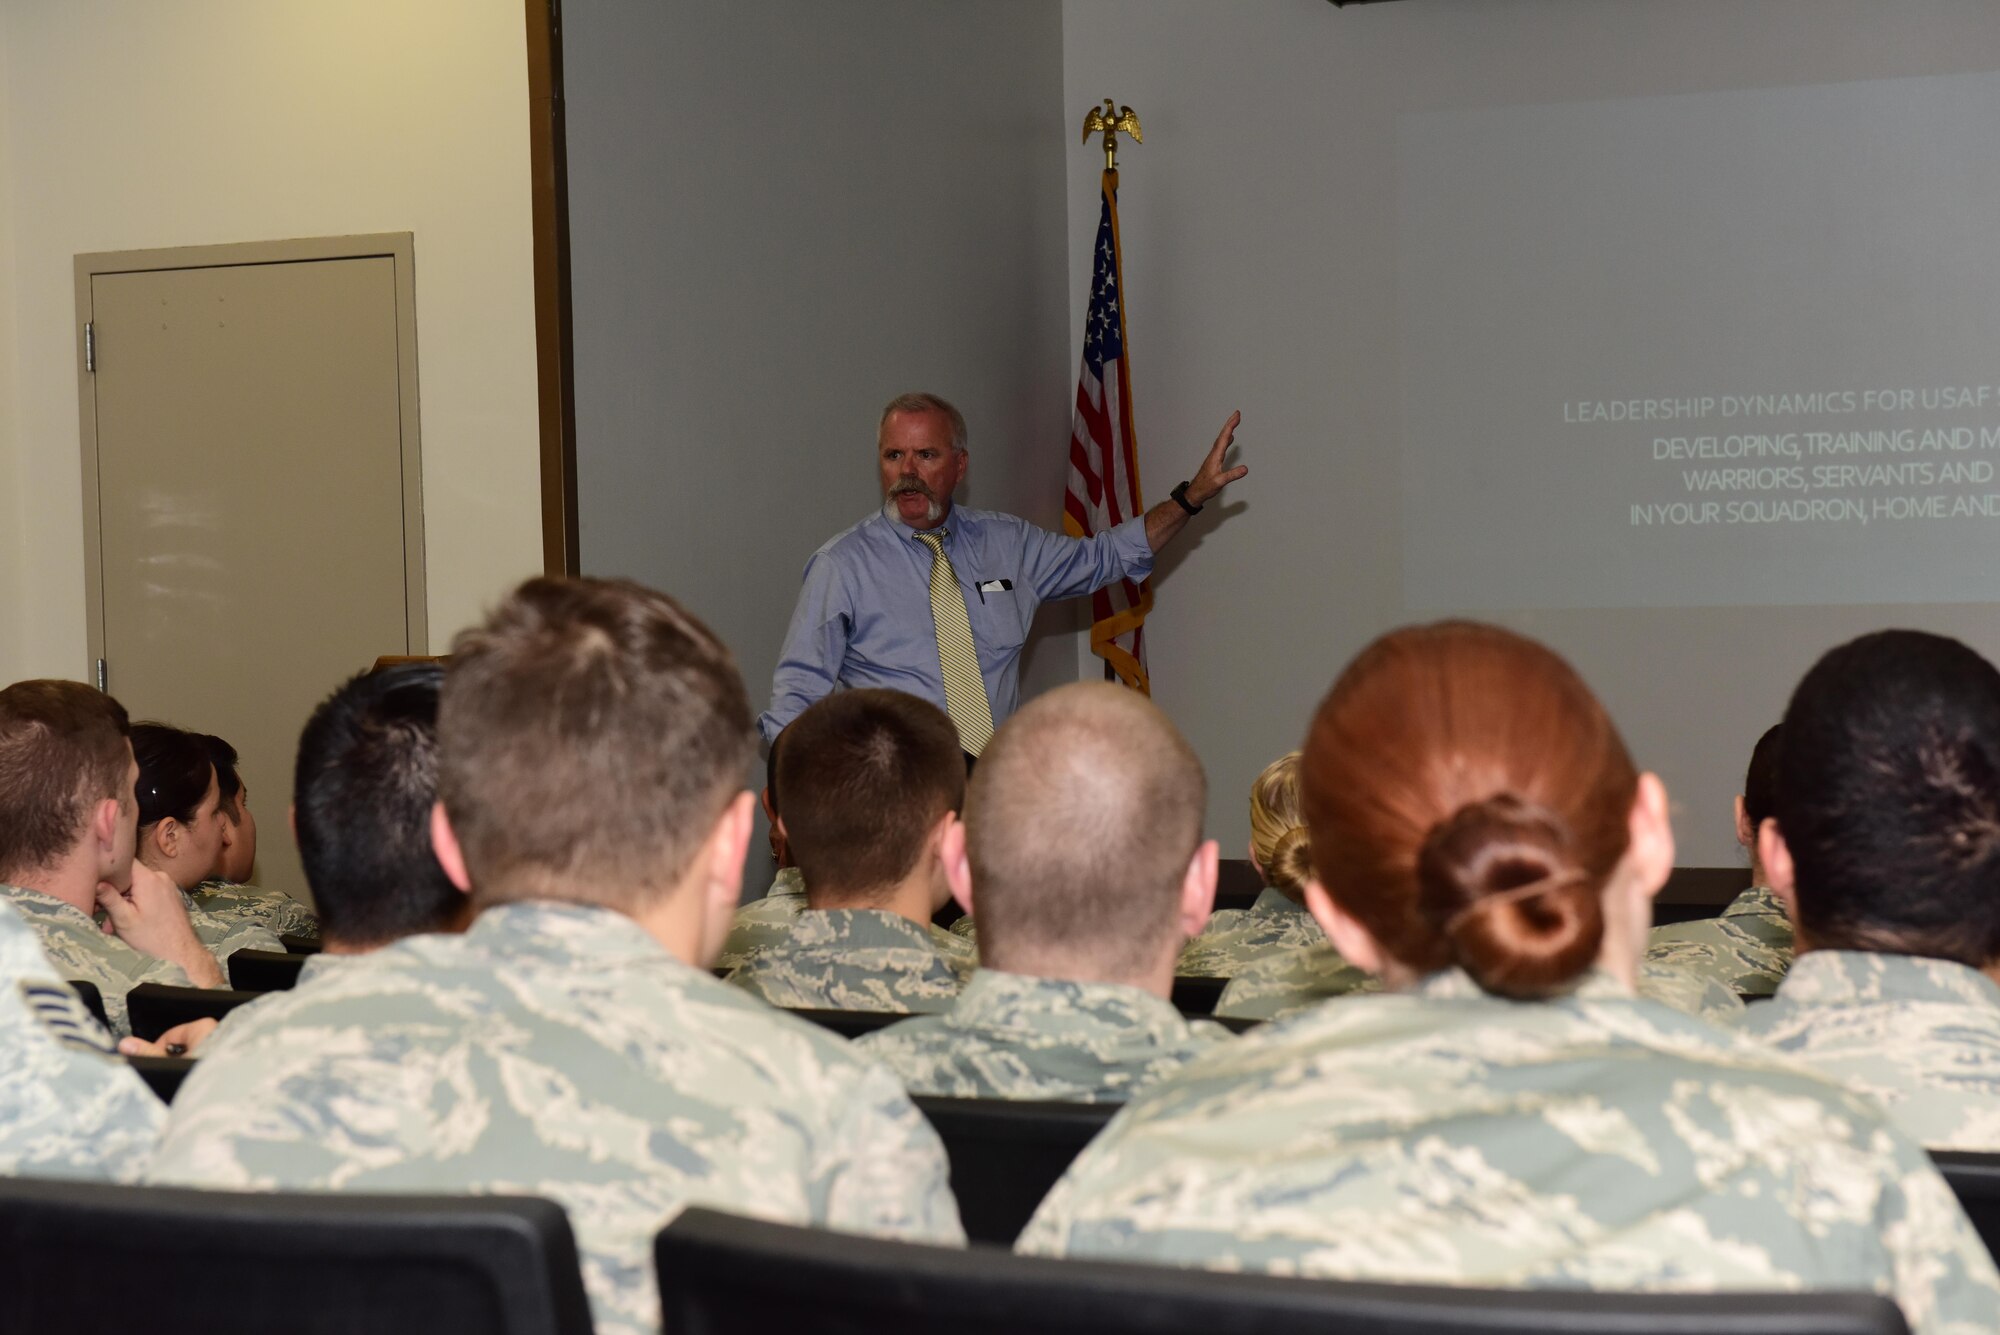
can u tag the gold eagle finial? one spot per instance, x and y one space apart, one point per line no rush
1109 120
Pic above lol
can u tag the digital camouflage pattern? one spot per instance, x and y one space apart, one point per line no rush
1291 980
1747 949
1446 1136
1690 993
557 1050
855 960
1010 1036
273 910
1237 938
69 1107
1287 983
79 948
224 936
966 927
1919 1036
764 922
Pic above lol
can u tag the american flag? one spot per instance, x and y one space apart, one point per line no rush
1103 488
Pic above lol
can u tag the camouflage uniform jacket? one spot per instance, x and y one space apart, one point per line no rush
1597 1141
1236 938
224 936
1747 949
68 1106
557 1050
79 948
1287 983
764 922
1291 980
1010 1036
273 910
1920 1036
855 960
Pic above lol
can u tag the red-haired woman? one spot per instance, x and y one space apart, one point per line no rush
1509 1113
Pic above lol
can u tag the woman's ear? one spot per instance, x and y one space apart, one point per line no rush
1356 944
1774 855
167 837
1650 830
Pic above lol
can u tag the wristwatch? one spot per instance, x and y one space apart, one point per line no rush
1180 497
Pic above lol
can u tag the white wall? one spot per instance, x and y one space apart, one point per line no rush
1259 235
784 214
128 124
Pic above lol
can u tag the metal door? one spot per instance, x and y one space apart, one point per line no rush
252 487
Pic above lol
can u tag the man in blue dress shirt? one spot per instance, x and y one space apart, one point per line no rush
869 613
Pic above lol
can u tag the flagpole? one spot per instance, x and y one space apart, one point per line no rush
1103 488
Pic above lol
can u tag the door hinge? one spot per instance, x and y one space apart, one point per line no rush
103 676
90 349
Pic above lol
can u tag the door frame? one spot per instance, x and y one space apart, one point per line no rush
398 247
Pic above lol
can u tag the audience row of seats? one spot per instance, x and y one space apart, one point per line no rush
414 1265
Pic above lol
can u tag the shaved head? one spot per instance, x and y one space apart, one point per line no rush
1082 816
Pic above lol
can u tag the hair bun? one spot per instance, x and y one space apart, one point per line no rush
1290 866
1497 880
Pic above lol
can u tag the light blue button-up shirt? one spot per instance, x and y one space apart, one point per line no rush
864 613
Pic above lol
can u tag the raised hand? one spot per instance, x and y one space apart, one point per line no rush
1209 480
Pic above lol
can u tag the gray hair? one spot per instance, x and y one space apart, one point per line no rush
926 403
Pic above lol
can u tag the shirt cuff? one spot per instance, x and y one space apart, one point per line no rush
1135 554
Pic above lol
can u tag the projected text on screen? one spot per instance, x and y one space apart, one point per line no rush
1723 348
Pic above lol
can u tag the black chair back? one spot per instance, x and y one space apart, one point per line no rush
265 970
92 999
1005 1155
1975 1180
725 1275
1237 883
155 1008
163 1075
1197 996
90 1259
849 1024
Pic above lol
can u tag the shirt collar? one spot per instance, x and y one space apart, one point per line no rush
560 933
44 902
957 521
1457 985
1758 899
1862 977
1273 902
1022 1003
861 929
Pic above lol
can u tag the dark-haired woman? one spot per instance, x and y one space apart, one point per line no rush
1510 1113
1749 945
182 828
223 892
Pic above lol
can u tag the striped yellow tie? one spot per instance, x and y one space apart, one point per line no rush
964 689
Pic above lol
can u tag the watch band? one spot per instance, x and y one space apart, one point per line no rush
1180 496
